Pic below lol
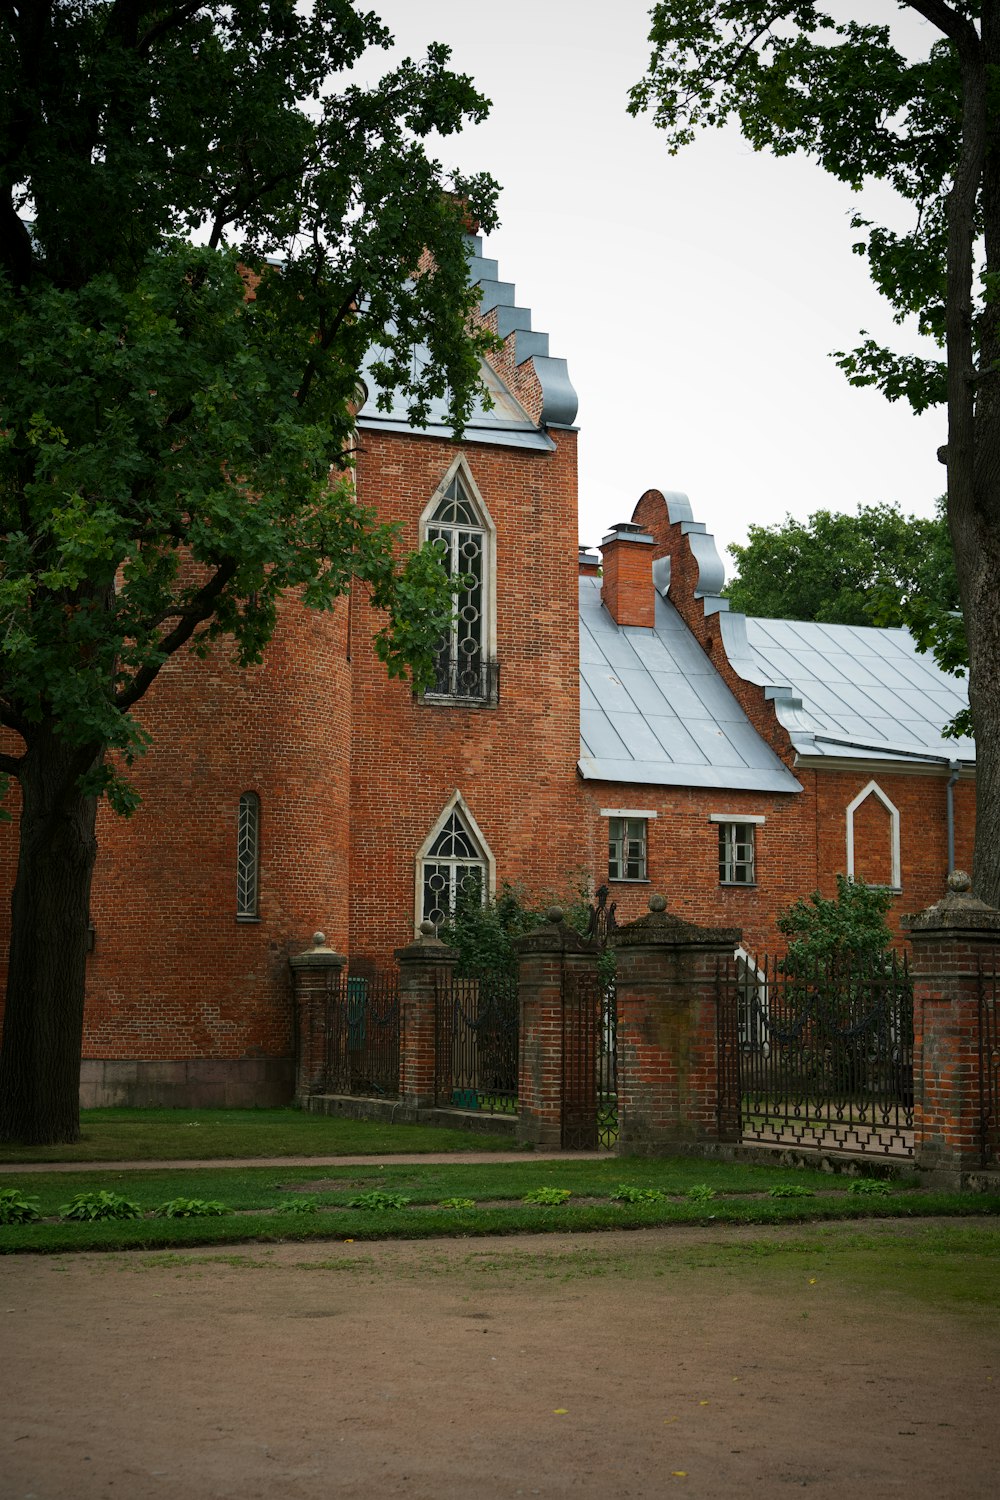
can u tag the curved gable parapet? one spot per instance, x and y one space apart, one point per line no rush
559 399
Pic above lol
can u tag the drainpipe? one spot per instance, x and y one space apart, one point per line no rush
953 768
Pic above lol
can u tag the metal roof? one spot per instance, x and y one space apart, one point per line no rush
654 711
850 691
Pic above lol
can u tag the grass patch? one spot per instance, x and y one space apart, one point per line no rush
405 1201
193 1134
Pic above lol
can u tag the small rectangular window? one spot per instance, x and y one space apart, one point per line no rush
737 862
626 848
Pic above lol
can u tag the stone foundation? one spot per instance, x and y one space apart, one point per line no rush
188 1083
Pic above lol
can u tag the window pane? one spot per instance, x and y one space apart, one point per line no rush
248 855
736 853
626 848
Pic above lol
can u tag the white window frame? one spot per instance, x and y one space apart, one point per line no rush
248 857
460 466
730 821
456 803
874 790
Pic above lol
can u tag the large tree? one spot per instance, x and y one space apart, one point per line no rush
205 225
798 80
870 568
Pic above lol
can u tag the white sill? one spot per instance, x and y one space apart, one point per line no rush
629 880
246 919
739 885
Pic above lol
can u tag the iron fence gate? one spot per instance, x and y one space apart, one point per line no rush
361 1036
478 1024
819 1057
989 1066
589 1063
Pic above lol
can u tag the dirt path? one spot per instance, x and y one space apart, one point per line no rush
613 1365
463 1158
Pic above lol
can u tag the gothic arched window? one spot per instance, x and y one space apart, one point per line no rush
457 522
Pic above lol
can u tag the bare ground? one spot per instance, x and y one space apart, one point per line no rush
612 1365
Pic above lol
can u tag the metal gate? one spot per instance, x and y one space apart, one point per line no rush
819 1057
989 1066
589 1063
361 1037
478 1025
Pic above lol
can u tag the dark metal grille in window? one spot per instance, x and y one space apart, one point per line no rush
824 1056
362 1036
462 669
452 870
989 1065
478 1024
248 855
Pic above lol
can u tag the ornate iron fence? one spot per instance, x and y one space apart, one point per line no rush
820 1058
478 1024
361 1036
989 1066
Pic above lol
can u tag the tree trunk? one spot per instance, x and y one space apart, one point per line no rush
50 908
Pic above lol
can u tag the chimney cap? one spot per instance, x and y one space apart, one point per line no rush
627 531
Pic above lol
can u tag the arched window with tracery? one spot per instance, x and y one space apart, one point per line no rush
458 523
454 865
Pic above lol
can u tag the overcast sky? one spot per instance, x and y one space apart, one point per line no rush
696 298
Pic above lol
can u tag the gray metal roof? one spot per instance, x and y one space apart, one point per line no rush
849 691
654 711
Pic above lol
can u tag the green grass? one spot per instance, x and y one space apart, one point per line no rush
256 1194
192 1134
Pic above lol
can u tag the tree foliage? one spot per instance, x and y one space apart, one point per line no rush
850 926
206 228
796 79
863 569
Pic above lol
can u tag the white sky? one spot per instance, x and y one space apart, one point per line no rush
697 297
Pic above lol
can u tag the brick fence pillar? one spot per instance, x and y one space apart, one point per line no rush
423 966
544 956
314 973
668 1062
949 939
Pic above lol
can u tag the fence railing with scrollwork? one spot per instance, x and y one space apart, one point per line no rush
820 1057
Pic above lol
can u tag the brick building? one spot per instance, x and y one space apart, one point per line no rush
718 762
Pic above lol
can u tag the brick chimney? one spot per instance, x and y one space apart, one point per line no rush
589 563
627 590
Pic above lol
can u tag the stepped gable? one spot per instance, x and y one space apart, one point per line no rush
820 692
529 388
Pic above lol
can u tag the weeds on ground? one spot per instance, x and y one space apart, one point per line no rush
16 1209
379 1200
191 1208
700 1193
457 1203
626 1193
871 1187
547 1197
790 1190
100 1205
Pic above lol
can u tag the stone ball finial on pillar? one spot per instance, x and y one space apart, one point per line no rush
554 915
960 881
319 939
428 929
657 903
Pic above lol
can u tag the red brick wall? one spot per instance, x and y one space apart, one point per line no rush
801 847
514 763
173 974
